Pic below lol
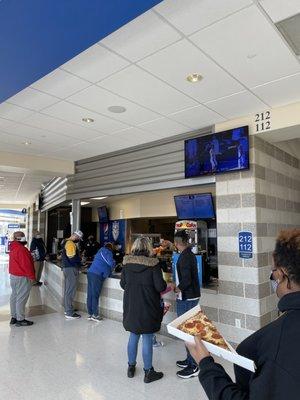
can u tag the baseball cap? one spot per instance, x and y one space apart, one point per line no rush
79 234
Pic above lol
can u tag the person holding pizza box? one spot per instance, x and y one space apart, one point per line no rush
274 348
188 294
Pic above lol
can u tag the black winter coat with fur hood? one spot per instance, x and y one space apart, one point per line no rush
142 282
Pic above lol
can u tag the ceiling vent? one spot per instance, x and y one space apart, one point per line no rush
290 29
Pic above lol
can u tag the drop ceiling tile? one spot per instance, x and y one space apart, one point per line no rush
192 15
279 9
102 146
13 112
49 123
60 83
33 99
177 61
197 117
164 127
4 123
95 63
281 92
248 46
34 147
135 136
72 113
43 136
141 37
141 87
98 99
238 105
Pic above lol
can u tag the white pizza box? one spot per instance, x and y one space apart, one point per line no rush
231 355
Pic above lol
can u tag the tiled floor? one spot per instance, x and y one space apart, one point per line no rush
56 359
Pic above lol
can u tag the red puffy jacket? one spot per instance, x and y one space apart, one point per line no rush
20 261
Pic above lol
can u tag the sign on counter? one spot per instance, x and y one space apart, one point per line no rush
245 244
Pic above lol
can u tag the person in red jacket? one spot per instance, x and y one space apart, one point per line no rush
21 269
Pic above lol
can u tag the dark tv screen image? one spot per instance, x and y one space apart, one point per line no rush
194 206
103 214
217 153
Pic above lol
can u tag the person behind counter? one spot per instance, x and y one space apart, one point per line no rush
22 275
142 282
100 269
90 248
188 294
71 263
38 251
274 348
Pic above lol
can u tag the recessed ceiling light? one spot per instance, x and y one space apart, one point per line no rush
117 109
99 198
27 143
194 78
88 120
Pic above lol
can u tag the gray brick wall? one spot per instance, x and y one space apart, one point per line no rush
262 200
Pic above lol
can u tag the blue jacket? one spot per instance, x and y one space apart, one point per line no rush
103 263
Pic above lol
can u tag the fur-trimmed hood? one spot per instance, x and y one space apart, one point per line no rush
140 260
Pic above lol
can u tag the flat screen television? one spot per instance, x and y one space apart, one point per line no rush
195 206
103 214
217 153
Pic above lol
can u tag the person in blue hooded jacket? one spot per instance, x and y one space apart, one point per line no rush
100 269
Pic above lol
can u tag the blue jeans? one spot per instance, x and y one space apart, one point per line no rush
95 283
182 306
132 349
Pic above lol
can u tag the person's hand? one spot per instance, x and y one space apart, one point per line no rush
198 350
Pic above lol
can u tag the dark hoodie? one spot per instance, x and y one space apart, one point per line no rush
142 282
276 352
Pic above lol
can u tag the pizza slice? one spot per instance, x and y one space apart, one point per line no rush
200 325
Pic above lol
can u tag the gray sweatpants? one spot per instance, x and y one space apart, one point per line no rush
20 287
71 280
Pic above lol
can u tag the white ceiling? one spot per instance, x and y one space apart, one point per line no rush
19 186
234 44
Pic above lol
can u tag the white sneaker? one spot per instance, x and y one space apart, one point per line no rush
96 319
73 316
89 318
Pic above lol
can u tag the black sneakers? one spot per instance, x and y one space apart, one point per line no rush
182 364
13 321
73 316
151 375
131 371
24 323
188 372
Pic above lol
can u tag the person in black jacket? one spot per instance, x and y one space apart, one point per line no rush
142 282
188 294
275 348
38 251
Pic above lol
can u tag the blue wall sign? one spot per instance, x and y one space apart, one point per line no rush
245 245
13 226
114 232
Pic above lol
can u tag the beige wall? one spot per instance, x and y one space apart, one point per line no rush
281 117
151 204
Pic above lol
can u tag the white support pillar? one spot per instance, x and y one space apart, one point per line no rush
76 215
